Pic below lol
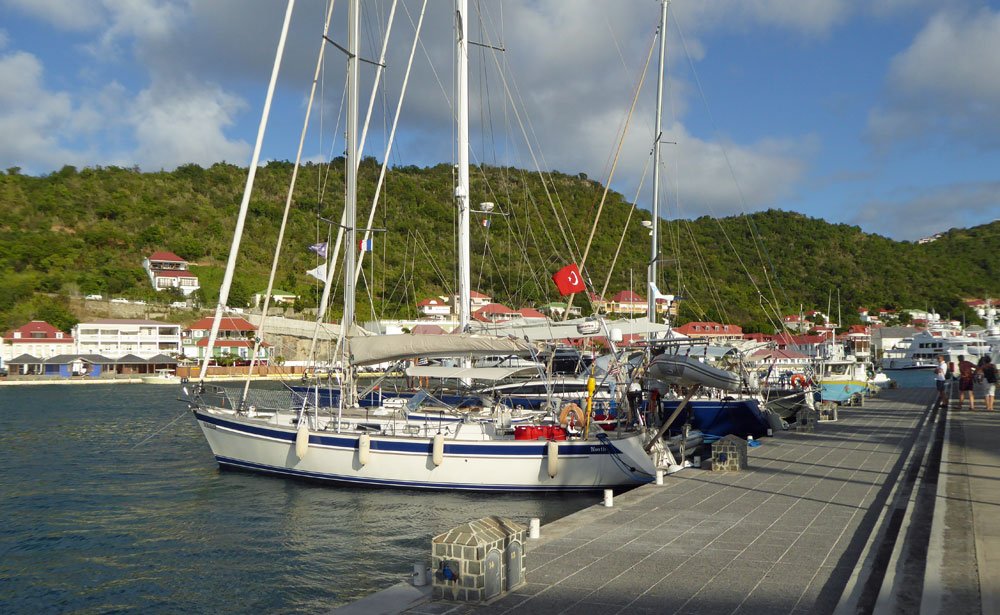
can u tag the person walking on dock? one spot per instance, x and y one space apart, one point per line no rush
989 374
966 371
939 373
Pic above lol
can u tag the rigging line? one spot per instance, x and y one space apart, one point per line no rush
558 209
614 261
227 278
607 187
392 133
150 436
371 300
430 63
496 265
259 336
531 150
700 259
421 243
732 173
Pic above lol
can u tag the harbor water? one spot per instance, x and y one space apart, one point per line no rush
113 503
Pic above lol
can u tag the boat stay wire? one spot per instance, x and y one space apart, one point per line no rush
758 242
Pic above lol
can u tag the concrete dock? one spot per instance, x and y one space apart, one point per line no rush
893 508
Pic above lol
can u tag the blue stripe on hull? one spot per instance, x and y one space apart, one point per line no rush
358 481
509 448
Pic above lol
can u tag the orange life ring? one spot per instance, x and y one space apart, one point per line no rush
798 380
566 410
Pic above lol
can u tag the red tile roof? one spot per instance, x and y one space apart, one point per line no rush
428 330
167 257
530 313
708 328
627 296
225 324
494 308
38 326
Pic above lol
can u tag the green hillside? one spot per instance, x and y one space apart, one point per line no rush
80 232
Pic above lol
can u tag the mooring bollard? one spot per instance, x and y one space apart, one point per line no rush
659 477
419 575
534 528
609 498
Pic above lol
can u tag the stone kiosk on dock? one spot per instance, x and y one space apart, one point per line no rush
479 560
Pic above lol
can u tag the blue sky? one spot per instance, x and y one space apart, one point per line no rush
879 113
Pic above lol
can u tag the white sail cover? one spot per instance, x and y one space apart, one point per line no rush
473 373
381 348
689 371
568 329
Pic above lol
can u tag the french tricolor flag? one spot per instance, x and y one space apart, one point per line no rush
365 245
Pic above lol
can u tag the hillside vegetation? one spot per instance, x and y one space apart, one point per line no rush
79 232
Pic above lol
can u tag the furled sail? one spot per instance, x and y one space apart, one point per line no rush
381 348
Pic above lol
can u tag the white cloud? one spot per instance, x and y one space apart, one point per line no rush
944 85
4 38
33 119
71 15
176 124
921 212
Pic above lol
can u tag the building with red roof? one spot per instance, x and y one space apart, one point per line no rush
531 313
494 312
628 302
36 338
434 308
711 330
167 270
235 338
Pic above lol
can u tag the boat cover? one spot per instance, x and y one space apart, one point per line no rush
689 371
474 373
382 348
568 329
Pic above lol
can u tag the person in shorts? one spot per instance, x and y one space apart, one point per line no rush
966 383
939 372
989 373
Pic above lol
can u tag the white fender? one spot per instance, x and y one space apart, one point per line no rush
302 440
364 445
553 458
438 449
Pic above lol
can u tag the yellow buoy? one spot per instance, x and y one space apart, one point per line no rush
438 449
364 445
553 458
302 440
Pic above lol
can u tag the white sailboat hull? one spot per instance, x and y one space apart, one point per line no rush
393 461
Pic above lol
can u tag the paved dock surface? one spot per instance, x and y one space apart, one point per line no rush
890 509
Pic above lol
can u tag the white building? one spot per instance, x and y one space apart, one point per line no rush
167 270
38 339
115 338
434 308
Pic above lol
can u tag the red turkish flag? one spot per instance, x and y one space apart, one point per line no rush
568 280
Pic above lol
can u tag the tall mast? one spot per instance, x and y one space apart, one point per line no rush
655 250
462 188
350 201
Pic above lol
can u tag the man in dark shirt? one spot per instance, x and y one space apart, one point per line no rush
966 371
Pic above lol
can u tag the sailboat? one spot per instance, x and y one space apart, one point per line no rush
383 445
